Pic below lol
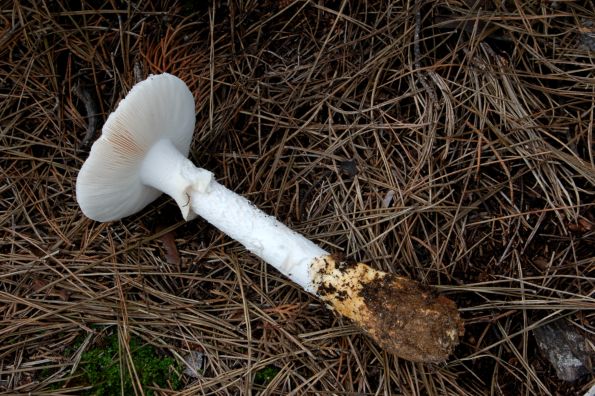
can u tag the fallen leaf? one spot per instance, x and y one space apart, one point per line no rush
172 256
582 225
38 284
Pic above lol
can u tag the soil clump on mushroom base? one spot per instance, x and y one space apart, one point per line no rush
402 316
469 125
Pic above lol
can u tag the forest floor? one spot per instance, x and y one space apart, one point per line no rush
447 141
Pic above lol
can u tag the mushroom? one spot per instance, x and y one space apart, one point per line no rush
142 152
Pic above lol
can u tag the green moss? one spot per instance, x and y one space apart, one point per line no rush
105 370
265 375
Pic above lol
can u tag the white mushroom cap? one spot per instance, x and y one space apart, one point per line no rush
109 185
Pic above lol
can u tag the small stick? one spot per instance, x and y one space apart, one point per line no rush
91 110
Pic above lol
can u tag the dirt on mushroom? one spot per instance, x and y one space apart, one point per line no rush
405 318
470 125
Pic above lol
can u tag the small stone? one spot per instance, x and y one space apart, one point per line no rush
587 34
565 349
194 364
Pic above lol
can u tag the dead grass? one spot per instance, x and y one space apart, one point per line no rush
455 148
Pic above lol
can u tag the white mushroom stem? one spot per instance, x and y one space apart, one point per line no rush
167 170
197 193
263 235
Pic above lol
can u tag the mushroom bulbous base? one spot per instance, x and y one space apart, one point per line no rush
402 316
